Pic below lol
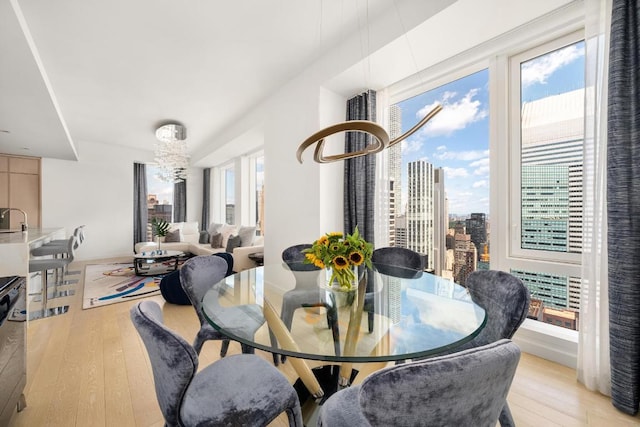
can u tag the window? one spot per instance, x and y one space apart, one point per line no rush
229 186
547 86
534 126
257 190
439 177
547 117
159 197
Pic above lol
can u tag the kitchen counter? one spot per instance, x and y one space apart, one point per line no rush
32 236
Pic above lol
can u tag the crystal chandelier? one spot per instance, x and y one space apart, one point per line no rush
171 152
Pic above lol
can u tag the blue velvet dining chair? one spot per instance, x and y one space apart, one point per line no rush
506 301
306 292
393 261
237 390
197 276
467 388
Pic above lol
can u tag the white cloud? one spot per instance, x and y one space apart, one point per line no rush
538 70
482 183
455 172
481 166
411 145
462 155
441 148
455 115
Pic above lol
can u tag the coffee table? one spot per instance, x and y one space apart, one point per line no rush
156 262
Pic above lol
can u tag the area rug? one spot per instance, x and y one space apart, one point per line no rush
112 283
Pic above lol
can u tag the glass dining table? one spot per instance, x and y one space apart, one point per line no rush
395 314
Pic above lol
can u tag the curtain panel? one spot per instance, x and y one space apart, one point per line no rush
206 199
360 172
623 204
594 367
180 201
140 212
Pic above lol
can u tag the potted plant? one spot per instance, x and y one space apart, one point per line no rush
340 254
159 228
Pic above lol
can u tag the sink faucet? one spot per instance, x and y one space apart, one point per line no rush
25 227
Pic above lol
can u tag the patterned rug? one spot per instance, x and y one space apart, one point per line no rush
112 283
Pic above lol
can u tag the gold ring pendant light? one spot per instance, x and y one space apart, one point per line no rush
378 132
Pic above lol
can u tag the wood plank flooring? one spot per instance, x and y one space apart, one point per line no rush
90 368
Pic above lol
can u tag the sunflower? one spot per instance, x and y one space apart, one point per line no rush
340 252
356 258
340 263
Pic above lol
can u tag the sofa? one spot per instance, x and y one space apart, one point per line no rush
187 237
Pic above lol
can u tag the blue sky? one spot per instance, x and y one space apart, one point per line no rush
457 138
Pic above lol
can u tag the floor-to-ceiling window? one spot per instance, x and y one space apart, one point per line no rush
546 94
439 177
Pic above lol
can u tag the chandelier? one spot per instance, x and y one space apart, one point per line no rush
171 153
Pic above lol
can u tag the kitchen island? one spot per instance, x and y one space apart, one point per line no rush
15 248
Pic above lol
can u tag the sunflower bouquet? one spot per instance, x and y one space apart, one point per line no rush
339 253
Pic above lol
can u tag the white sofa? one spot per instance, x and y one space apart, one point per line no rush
189 242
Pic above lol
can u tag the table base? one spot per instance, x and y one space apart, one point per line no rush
328 376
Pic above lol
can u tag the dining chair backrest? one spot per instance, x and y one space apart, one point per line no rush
198 275
504 298
294 258
468 388
173 360
386 258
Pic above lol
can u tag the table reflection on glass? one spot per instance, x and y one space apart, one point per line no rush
415 314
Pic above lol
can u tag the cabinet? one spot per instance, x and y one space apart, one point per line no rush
20 188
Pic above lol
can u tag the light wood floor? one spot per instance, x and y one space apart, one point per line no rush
89 368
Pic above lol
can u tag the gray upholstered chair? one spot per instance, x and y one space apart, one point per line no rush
410 265
197 276
506 301
468 388
306 292
237 390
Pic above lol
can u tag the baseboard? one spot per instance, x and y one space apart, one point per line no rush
549 342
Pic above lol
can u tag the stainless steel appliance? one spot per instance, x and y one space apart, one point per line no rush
13 354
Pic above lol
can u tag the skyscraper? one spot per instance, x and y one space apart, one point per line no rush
476 226
395 173
420 209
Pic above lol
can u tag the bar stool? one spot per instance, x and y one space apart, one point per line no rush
43 266
58 249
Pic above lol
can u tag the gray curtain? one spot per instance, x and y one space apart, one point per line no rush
180 201
140 212
623 204
359 173
206 198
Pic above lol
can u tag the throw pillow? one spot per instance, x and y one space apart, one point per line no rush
226 231
232 243
216 240
247 234
214 228
173 236
204 237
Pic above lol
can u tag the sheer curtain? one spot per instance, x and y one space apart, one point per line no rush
359 172
140 212
623 204
593 345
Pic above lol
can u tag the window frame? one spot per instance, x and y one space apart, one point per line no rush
544 340
515 161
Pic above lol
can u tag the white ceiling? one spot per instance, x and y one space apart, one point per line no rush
110 71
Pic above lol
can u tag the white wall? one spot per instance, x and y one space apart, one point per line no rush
97 191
